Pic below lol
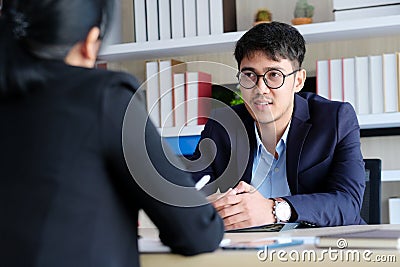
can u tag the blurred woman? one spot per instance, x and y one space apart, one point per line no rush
67 197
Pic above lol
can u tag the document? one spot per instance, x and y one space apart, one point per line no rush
262 243
376 238
152 245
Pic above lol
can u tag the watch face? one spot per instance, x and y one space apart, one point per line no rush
283 211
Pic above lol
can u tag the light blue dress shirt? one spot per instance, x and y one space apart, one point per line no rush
269 174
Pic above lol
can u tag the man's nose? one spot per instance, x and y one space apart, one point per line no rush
262 87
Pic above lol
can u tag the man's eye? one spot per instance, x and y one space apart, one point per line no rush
249 74
274 74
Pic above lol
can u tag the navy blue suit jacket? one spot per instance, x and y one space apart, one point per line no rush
325 168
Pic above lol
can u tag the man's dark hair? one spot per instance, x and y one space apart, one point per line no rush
276 40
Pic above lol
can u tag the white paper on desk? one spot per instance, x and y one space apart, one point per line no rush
152 245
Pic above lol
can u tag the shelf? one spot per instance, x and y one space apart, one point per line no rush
313 33
171 48
184 131
390 176
370 121
384 120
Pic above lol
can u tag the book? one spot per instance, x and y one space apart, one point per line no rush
203 17
198 97
362 85
323 78
229 16
176 19
166 70
152 20
164 17
101 65
394 207
349 83
335 80
128 18
179 107
398 79
217 17
189 18
376 84
139 7
375 238
390 86
152 92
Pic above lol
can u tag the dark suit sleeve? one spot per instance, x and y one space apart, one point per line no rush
199 158
186 230
340 202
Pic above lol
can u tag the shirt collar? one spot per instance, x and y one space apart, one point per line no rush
281 142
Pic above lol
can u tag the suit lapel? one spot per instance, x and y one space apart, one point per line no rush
298 132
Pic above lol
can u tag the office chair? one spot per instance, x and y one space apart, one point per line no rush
371 206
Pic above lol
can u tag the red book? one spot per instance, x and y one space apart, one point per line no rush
198 97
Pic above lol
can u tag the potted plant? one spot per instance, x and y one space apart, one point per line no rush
262 16
303 13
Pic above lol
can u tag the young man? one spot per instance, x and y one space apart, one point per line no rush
289 156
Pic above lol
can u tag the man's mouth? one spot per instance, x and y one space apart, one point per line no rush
263 102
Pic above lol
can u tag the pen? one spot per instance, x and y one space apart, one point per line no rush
202 182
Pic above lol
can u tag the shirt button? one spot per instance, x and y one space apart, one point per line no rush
276 170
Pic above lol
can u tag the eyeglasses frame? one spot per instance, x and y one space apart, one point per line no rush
265 80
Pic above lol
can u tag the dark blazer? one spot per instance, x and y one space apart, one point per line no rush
67 197
325 168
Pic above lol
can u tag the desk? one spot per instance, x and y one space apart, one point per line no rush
244 258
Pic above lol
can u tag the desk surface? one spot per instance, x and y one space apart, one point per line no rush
348 257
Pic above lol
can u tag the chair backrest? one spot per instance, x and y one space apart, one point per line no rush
371 207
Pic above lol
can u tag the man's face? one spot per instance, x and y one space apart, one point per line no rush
271 105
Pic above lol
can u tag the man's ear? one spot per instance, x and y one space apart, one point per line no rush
301 76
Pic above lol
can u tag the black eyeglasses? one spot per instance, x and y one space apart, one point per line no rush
273 78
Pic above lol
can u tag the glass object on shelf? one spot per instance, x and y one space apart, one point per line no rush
303 13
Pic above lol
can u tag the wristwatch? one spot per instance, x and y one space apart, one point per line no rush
282 210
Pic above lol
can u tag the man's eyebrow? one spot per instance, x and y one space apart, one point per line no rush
274 68
264 69
247 68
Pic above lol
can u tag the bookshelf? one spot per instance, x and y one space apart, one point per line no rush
369 121
313 33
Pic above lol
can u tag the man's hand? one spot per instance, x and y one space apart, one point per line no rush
214 197
244 207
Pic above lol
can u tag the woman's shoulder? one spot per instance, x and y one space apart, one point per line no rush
114 79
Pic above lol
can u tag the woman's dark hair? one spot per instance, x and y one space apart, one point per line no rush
33 30
276 40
